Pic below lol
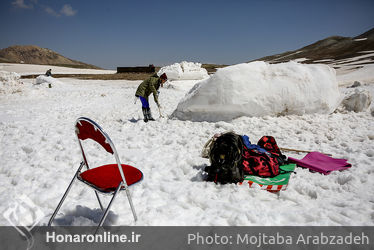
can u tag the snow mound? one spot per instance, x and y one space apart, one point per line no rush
46 80
184 71
260 89
10 83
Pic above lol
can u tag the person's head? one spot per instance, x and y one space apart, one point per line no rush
163 79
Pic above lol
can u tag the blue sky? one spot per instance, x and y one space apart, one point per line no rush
129 33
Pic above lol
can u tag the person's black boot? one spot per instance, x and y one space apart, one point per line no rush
150 118
145 114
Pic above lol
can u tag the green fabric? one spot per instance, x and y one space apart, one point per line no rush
281 179
288 167
148 87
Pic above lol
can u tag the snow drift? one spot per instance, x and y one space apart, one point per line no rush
259 89
10 83
184 71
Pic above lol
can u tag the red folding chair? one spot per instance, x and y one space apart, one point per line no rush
107 179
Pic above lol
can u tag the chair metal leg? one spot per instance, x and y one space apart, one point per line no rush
131 205
107 209
64 196
98 198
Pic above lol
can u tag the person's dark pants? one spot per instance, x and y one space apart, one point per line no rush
146 110
145 103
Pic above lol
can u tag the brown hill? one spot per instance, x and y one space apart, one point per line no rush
331 49
32 54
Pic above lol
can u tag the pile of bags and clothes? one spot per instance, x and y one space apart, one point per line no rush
233 158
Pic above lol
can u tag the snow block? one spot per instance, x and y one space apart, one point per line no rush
260 89
357 101
184 71
43 79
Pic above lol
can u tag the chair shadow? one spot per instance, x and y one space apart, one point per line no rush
84 216
201 175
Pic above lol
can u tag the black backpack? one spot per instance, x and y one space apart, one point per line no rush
226 159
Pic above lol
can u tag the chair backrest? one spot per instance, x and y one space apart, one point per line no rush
86 128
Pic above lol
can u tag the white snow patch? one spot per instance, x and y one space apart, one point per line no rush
354 59
323 60
360 39
297 52
300 59
184 71
366 51
260 89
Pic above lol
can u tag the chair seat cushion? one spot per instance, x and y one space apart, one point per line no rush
106 178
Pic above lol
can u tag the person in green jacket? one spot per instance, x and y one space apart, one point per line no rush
147 87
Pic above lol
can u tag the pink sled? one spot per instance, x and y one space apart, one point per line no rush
321 163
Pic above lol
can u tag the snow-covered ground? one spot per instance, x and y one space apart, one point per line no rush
39 156
359 68
35 69
347 74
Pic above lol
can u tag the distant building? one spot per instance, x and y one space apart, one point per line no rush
139 69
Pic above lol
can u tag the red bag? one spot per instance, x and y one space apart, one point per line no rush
260 164
269 143
263 164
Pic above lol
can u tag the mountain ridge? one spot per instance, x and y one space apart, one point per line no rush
333 48
32 54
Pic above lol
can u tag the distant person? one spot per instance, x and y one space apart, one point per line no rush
49 72
151 85
152 68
